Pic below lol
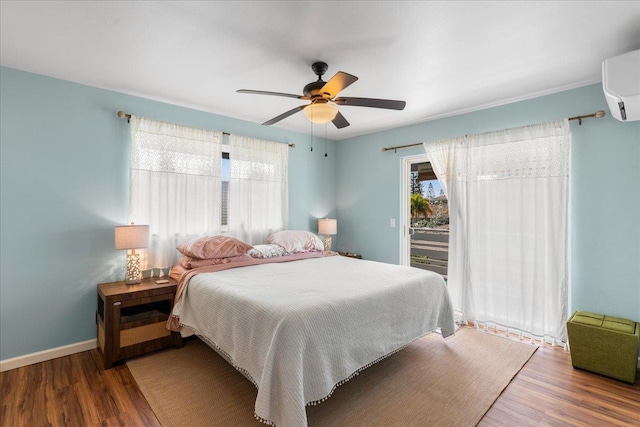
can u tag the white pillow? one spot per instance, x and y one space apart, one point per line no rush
296 241
266 251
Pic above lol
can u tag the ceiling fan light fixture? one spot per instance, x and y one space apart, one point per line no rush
321 112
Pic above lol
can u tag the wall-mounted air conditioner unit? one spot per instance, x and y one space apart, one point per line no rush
621 85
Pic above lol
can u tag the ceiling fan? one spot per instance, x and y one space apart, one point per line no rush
323 106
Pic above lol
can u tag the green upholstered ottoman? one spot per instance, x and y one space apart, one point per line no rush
604 344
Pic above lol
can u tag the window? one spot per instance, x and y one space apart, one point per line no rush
181 179
429 249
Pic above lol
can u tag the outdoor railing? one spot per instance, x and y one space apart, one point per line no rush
430 250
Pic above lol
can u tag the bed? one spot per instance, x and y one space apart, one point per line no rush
300 327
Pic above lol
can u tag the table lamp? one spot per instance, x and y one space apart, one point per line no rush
132 237
327 227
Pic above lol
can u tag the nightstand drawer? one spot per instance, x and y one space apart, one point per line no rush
144 333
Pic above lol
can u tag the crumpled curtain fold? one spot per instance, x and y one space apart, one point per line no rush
508 242
258 188
175 186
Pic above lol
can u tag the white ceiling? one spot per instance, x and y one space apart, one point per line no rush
442 58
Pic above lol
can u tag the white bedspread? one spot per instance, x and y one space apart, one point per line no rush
300 328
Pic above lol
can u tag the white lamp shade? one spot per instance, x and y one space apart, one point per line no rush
327 226
320 112
132 236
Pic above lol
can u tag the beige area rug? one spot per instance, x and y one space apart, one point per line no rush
432 382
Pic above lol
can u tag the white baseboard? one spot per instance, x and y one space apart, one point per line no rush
43 356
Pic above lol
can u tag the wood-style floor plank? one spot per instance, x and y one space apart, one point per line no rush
76 391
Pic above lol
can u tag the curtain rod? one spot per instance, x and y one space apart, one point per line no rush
127 116
598 114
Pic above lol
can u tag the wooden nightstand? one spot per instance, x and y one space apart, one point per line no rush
350 255
132 319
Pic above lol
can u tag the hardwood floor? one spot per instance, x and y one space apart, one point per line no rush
76 391
72 391
549 392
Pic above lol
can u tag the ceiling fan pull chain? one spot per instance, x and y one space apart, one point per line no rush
325 140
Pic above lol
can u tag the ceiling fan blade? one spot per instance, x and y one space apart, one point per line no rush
371 102
283 115
337 83
263 92
340 121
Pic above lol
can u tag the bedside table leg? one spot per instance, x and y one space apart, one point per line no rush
108 364
177 338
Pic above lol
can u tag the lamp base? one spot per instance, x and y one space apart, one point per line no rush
327 243
133 269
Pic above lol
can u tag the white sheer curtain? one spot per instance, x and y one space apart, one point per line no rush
175 186
508 201
258 188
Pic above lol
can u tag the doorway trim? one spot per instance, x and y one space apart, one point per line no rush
405 214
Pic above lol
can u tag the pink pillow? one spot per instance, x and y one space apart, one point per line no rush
189 262
209 247
294 241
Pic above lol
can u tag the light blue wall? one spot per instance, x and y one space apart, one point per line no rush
64 180
64 185
604 203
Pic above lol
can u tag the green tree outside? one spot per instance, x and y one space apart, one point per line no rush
431 194
420 205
